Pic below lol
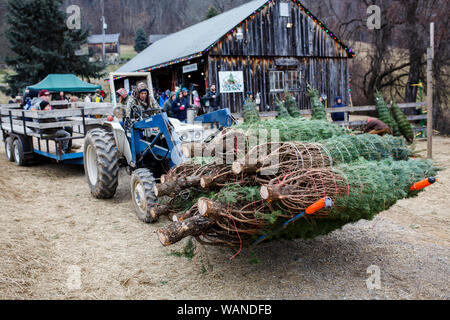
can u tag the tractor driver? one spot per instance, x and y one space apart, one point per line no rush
142 100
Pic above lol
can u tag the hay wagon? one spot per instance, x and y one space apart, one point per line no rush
26 133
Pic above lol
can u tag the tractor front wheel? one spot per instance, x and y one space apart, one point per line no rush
142 185
101 163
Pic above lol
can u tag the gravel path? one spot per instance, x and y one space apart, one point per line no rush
51 230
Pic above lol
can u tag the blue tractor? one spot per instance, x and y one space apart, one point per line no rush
148 144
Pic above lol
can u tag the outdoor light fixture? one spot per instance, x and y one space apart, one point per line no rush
258 98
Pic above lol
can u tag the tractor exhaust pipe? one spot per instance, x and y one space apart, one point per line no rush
190 115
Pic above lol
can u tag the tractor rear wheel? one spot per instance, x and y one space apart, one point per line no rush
101 163
9 149
142 190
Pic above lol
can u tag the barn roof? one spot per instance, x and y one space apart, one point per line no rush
98 38
194 41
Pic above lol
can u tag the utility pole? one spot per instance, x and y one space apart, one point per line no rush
102 3
430 57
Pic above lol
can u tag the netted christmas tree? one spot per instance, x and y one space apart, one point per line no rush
250 112
318 109
404 125
384 114
254 198
282 110
238 215
291 105
296 129
349 148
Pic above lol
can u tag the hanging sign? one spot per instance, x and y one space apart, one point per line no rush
287 62
190 68
231 81
284 9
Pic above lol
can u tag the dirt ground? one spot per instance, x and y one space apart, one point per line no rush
57 242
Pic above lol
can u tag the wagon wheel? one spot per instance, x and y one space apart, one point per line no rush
19 155
9 149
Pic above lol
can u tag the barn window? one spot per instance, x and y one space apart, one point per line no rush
276 81
293 80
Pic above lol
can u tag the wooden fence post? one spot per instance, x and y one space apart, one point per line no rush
430 56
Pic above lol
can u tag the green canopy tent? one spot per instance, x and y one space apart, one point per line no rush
66 83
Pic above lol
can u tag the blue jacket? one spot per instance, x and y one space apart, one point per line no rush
340 116
163 98
176 105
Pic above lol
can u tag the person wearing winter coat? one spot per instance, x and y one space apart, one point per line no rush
167 106
340 116
142 99
376 126
180 106
164 97
213 97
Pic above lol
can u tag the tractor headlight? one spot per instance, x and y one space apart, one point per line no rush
198 135
184 137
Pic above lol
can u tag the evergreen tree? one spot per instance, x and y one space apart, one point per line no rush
282 110
212 12
140 40
251 112
318 109
384 114
403 123
43 44
291 105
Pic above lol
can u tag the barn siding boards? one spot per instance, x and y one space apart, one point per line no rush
266 34
328 75
323 63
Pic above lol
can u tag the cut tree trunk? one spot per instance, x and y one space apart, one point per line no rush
159 210
173 188
176 231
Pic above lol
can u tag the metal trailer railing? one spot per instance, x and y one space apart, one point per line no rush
31 126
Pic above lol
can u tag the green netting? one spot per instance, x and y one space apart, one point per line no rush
403 123
291 105
318 109
385 115
297 129
372 187
282 110
349 148
250 112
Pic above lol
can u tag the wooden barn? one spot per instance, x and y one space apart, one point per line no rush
263 47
